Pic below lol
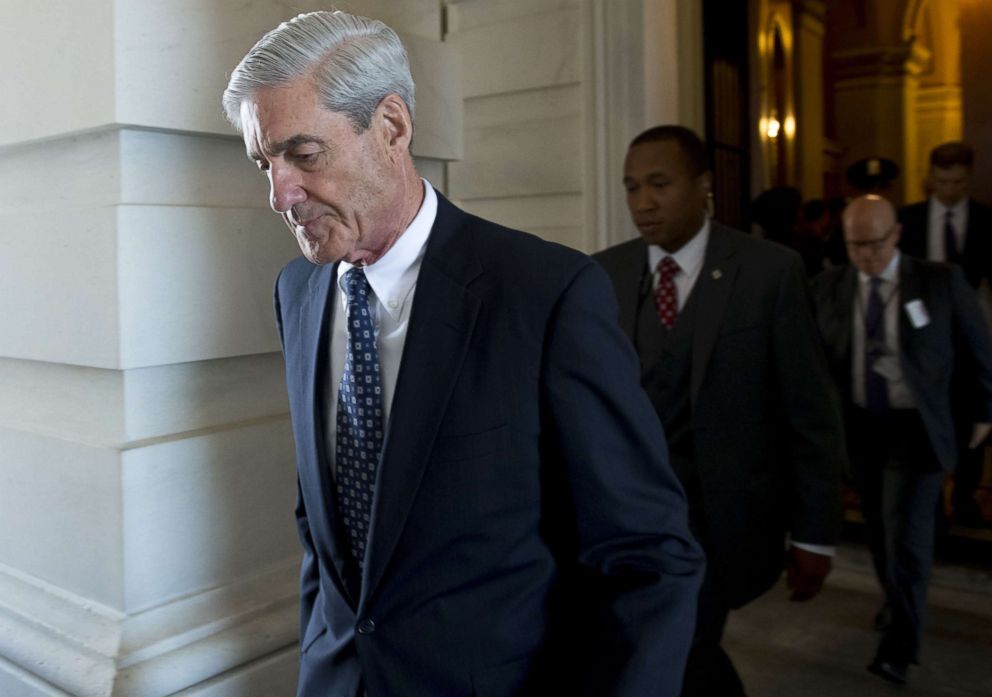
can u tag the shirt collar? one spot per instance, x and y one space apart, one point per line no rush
690 257
395 274
939 210
890 274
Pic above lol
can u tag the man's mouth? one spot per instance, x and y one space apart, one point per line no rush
303 219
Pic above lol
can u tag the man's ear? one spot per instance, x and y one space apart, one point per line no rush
705 183
394 118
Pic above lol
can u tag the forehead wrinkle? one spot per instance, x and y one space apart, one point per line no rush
284 145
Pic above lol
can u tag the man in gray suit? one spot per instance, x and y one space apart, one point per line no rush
895 329
731 361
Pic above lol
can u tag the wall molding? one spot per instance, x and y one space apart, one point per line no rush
91 650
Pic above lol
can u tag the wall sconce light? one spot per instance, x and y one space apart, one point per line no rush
772 127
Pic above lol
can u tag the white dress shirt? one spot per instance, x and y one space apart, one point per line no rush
935 227
393 279
890 365
689 258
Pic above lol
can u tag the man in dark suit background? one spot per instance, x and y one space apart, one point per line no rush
953 227
895 328
950 225
485 503
731 361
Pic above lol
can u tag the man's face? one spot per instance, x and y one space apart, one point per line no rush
950 184
333 187
871 244
667 203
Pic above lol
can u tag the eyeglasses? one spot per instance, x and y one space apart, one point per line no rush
873 244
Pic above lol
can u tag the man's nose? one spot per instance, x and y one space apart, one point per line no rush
640 199
286 189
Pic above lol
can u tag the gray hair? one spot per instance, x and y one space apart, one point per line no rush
354 62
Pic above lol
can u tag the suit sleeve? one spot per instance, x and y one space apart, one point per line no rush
972 334
812 412
630 513
309 577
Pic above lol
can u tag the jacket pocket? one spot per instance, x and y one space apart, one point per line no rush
315 630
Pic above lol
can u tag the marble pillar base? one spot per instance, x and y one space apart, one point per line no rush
231 640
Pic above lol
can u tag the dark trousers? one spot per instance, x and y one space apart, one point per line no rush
967 477
899 483
709 671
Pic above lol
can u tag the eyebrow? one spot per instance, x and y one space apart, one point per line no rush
291 142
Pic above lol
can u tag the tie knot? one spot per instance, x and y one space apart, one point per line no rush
356 284
668 267
876 283
949 215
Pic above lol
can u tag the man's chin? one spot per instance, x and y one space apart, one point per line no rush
316 251
652 236
318 255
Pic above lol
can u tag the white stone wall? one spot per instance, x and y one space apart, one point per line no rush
522 72
554 92
147 486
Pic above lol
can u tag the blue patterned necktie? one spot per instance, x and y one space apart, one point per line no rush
359 421
876 386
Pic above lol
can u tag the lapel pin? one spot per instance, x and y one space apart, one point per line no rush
717 274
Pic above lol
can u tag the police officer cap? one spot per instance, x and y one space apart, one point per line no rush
872 173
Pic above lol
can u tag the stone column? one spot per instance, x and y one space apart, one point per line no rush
810 15
875 101
643 67
147 543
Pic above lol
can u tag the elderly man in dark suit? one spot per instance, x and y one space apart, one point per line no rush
952 226
895 328
485 502
731 360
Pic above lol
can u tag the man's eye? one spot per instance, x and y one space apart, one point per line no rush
306 158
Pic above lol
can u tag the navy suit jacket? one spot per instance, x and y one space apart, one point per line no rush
528 535
766 423
929 355
977 253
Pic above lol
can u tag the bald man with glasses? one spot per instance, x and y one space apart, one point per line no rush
894 327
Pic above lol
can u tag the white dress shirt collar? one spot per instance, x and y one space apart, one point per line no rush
890 274
689 258
394 275
939 211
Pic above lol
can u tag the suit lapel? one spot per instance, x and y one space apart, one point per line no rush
713 290
910 289
844 315
441 324
972 229
316 321
628 285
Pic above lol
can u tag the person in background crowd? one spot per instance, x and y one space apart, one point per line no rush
731 360
953 227
894 327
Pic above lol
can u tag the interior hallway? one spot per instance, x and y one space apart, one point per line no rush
821 648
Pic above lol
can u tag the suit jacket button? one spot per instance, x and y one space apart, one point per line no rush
366 626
